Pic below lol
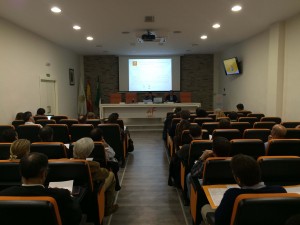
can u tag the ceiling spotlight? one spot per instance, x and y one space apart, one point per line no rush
55 9
216 25
89 38
236 8
76 27
203 37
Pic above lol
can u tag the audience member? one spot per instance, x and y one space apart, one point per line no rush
46 134
19 116
82 119
28 118
298 127
81 150
91 115
9 135
278 132
247 174
184 124
233 116
112 162
224 124
201 112
113 118
40 112
19 149
219 113
34 168
168 121
240 107
171 97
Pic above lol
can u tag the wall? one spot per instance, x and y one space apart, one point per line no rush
24 57
270 77
196 76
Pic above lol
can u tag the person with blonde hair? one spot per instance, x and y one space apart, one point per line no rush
19 148
81 150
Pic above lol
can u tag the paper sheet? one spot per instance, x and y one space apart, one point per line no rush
62 184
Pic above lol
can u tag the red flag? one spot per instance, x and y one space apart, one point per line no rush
89 102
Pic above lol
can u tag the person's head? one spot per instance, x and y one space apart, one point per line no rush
96 134
40 112
34 168
224 123
233 116
293 220
195 131
46 133
27 117
298 127
278 132
185 114
177 110
82 119
19 116
201 112
9 135
221 146
240 107
112 118
83 148
19 149
90 115
245 170
219 113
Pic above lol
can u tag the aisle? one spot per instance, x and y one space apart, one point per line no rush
145 197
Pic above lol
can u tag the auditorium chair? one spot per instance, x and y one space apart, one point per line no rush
290 124
261 134
40 118
251 147
3 128
4 150
293 133
251 120
185 97
213 116
45 122
60 133
201 120
257 115
54 150
29 132
264 125
94 122
280 170
244 113
17 123
222 118
271 118
210 126
262 209
29 210
68 122
130 97
115 98
241 126
58 118
9 174
283 147
227 133
78 131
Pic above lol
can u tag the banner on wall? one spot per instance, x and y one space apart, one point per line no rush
81 99
89 102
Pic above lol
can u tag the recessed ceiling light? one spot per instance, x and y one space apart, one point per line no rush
55 9
236 8
89 38
76 27
125 32
177 32
216 25
203 37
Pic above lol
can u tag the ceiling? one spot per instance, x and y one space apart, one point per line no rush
105 20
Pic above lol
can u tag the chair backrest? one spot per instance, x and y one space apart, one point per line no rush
217 170
45 122
264 125
196 149
244 112
290 124
241 126
115 98
280 170
9 173
3 128
201 120
185 96
54 150
283 147
98 154
17 123
29 210
78 131
263 209
257 115
130 97
261 134
251 120
58 118
251 147
60 133
271 118
29 132
4 150
213 116
292 133
68 122
40 118
227 133
210 126
95 122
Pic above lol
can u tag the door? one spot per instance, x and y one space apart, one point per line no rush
48 96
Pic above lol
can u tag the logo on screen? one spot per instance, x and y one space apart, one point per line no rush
134 63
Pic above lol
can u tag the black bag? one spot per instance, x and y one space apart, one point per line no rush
130 145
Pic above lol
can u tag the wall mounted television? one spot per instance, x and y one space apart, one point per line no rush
232 66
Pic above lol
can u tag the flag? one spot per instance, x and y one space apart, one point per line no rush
98 93
89 102
81 99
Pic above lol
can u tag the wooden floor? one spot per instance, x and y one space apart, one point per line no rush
145 197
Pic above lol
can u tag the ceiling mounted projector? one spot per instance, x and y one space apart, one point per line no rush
151 36
148 36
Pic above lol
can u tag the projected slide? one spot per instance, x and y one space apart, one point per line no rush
150 74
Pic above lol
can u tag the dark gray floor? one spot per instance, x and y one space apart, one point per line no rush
145 197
